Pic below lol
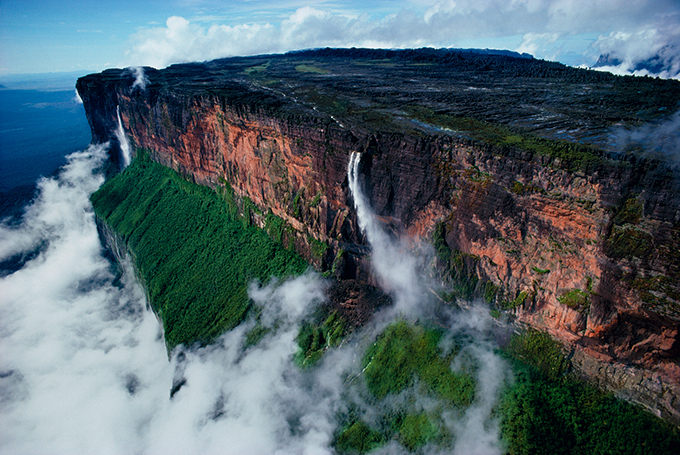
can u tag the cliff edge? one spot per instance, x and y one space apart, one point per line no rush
510 166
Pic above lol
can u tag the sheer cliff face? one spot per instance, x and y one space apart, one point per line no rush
592 256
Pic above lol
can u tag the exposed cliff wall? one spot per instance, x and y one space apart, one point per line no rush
592 256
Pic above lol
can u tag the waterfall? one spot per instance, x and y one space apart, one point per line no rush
367 220
122 139
395 267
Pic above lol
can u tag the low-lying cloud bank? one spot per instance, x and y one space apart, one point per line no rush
84 369
658 140
650 51
575 32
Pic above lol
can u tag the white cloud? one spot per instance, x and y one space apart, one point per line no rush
547 27
660 140
140 78
438 8
660 42
288 301
72 342
84 368
533 43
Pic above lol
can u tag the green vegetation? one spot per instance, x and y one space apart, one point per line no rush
517 187
358 438
459 268
257 69
317 198
575 299
628 242
658 292
406 355
255 335
194 254
318 247
297 204
630 212
402 353
541 415
540 351
516 302
571 156
490 292
314 339
386 62
338 261
412 430
416 430
277 228
546 410
476 176
310 69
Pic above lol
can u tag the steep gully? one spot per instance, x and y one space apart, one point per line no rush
590 257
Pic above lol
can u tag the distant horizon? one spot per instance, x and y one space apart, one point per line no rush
49 36
29 81
21 77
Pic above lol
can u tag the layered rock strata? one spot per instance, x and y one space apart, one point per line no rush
590 254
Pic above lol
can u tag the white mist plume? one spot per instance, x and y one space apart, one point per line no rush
660 140
73 344
477 431
395 267
83 366
60 206
140 78
123 141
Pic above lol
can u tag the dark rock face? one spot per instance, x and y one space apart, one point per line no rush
607 60
594 248
356 301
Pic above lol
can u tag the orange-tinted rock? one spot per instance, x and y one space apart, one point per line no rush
534 226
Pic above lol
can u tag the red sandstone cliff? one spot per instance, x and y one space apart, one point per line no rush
593 258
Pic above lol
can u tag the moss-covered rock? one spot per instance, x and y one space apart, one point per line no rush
629 242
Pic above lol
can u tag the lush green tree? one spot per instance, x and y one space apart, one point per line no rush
193 252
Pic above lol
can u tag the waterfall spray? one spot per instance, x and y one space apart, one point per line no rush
122 139
367 222
395 267
400 273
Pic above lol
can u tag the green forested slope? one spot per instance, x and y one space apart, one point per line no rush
548 410
194 254
543 409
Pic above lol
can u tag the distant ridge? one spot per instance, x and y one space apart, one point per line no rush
428 50
504 52
446 50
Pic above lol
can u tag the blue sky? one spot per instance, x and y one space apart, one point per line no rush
79 35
